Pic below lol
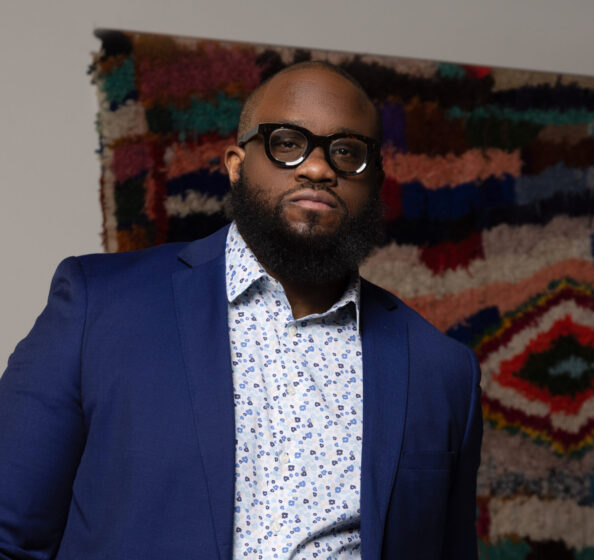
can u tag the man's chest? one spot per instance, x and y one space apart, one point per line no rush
298 419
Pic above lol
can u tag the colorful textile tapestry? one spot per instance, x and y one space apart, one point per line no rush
489 197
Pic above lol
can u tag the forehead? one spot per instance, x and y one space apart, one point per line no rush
318 99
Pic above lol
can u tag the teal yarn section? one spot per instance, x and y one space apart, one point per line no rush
585 554
202 116
449 70
497 133
120 82
504 550
574 366
535 116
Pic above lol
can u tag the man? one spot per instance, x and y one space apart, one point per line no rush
246 395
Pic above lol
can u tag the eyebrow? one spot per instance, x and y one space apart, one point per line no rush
339 130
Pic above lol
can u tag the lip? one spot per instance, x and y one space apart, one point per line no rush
309 198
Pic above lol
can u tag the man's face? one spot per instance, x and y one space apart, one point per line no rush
311 203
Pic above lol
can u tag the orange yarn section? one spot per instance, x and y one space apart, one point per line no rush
439 171
186 158
129 240
445 312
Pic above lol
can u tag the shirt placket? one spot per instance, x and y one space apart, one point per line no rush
290 333
278 395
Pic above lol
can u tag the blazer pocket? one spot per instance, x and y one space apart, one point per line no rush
428 460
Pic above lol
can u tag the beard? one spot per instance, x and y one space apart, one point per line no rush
310 255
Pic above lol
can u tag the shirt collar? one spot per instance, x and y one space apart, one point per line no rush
242 270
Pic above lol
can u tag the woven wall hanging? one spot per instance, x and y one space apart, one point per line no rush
489 194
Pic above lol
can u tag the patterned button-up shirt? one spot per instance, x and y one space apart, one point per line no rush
298 415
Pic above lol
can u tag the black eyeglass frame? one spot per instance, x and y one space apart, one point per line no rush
313 141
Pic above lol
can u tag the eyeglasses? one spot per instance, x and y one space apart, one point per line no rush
289 145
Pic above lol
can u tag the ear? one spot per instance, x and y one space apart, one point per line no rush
234 156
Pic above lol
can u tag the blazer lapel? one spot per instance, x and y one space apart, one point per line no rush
201 307
384 335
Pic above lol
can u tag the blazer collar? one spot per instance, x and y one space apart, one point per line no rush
204 250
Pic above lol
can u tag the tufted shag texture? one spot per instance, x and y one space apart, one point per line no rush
489 198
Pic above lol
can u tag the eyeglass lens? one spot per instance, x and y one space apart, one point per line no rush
289 146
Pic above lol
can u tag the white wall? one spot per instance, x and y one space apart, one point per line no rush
48 170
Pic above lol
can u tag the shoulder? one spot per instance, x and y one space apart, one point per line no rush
153 259
423 335
128 274
161 260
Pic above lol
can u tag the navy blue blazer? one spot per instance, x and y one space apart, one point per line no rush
117 433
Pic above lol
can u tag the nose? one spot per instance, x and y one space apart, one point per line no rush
316 169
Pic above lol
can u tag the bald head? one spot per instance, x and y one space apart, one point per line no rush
307 70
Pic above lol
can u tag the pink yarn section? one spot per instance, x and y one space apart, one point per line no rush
129 160
440 171
198 73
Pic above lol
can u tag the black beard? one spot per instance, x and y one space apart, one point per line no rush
311 256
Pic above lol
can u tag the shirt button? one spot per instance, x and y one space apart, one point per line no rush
275 526
292 330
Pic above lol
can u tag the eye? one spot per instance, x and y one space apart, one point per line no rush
348 149
342 151
286 143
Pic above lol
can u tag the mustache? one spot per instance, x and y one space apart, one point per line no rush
315 187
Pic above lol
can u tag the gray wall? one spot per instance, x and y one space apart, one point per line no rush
48 171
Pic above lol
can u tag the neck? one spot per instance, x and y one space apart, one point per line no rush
307 298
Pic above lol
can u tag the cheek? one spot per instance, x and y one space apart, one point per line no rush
252 170
262 174
356 196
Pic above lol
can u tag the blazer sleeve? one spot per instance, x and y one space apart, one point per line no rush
42 429
460 534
